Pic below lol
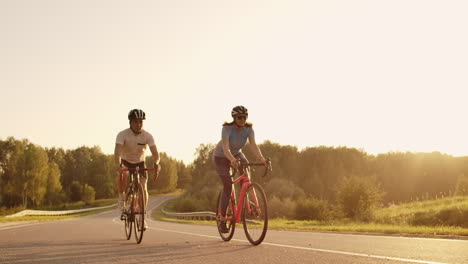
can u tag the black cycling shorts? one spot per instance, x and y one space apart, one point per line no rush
134 165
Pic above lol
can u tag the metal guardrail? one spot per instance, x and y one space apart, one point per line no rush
191 216
57 213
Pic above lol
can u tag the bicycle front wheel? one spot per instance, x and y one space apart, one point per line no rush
139 223
230 219
127 214
255 214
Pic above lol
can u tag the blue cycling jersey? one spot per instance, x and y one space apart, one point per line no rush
237 139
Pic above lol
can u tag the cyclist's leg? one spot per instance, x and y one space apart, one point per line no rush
144 185
222 166
121 183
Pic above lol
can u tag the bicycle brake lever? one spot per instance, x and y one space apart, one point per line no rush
268 167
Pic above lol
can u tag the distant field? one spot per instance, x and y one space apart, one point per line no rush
450 211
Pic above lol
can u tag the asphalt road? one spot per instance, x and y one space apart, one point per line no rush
100 239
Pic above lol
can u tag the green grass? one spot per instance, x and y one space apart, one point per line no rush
155 193
79 205
393 220
339 226
373 228
451 211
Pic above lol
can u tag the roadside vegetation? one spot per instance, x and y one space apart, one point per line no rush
316 188
346 190
404 219
33 177
71 206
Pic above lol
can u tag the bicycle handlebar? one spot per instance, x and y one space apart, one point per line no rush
137 169
242 166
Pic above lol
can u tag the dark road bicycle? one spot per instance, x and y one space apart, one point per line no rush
252 208
135 204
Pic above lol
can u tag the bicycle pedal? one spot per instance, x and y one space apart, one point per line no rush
123 217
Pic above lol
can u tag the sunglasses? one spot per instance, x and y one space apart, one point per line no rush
241 117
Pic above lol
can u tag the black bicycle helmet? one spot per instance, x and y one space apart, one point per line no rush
136 114
239 110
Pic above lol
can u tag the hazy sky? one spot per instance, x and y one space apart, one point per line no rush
377 75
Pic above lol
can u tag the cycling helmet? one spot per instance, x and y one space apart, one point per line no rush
136 114
239 110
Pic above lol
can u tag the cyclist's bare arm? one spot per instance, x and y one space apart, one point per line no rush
227 152
156 158
117 156
256 149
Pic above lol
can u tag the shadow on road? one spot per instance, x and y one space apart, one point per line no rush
118 251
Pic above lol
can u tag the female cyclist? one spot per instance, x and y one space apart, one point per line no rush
233 138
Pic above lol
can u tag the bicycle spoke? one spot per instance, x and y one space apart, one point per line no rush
255 214
230 220
139 223
127 215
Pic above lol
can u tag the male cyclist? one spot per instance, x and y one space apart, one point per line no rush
130 147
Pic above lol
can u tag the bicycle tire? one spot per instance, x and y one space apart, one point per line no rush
230 217
128 217
139 219
255 220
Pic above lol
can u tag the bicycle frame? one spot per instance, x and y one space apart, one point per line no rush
237 209
133 181
251 209
136 197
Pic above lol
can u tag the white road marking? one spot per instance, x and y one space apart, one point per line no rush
117 220
20 225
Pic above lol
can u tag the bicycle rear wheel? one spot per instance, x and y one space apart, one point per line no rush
255 214
230 219
128 217
139 223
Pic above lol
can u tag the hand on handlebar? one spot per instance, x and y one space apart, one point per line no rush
235 163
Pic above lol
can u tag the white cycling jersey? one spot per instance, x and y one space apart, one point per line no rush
134 146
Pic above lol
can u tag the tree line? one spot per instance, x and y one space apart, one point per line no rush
32 176
347 182
302 181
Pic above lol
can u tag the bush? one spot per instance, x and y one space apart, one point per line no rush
283 189
424 219
462 186
185 204
75 191
445 217
106 190
88 194
358 197
453 217
281 208
312 209
9 211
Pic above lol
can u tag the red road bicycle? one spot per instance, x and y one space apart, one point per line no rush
252 208
135 204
